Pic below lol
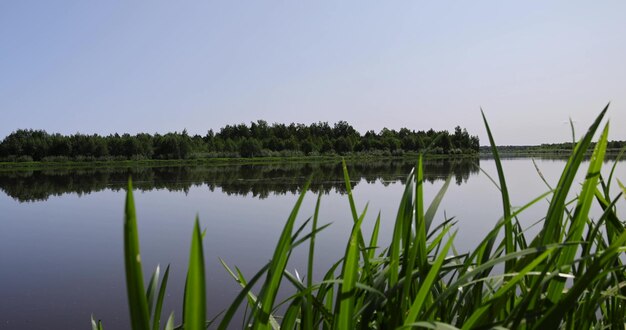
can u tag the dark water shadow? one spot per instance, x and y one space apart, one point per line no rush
256 180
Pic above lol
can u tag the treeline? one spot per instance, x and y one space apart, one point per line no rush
552 148
570 146
259 139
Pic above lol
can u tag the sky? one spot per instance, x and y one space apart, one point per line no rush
162 66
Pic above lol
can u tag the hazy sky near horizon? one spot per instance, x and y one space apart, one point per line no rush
159 66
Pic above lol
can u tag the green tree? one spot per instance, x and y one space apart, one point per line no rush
250 147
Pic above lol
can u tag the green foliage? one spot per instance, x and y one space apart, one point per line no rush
250 148
137 300
231 141
571 276
194 310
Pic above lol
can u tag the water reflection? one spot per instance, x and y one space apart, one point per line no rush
257 180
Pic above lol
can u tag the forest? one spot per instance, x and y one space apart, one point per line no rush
259 139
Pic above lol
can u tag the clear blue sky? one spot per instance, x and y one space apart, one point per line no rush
158 66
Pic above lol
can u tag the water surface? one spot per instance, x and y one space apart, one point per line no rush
61 230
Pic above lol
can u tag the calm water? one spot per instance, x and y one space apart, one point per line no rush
61 231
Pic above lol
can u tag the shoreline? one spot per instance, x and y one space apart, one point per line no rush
557 154
37 165
221 161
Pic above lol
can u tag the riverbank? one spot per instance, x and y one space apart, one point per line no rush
544 154
35 165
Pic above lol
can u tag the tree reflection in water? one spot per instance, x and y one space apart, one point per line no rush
257 180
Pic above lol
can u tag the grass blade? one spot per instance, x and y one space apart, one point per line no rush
156 318
139 314
252 299
355 216
232 309
169 325
417 247
291 316
374 238
96 325
434 205
571 124
506 203
195 290
399 234
610 178
581 214
551 231
308 312
346 300
152 287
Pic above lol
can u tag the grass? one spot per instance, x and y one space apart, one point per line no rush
570 275
72 164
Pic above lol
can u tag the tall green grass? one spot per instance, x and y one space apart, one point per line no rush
570 275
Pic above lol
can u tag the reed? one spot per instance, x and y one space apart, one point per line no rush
571 275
